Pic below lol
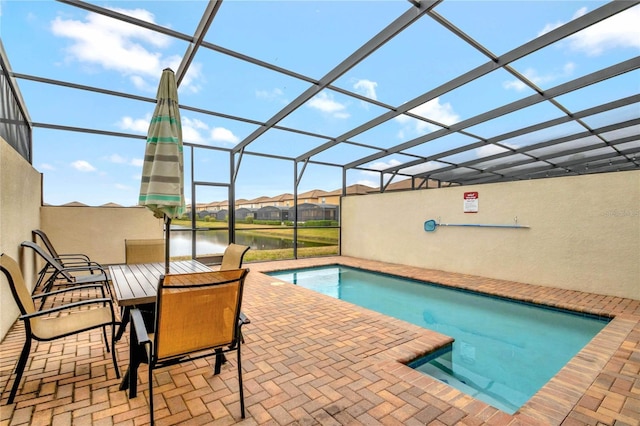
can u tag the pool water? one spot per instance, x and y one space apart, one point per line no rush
504 351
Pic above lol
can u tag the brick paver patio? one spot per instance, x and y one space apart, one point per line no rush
313 360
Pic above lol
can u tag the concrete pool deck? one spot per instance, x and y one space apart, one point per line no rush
310 359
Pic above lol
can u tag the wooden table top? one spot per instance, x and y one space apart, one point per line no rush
136 284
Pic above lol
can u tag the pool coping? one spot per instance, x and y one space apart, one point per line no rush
553 402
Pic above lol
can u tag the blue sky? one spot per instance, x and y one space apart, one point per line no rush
53 40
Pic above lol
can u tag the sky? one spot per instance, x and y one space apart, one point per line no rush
53 40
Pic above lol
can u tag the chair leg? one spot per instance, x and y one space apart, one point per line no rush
22 362
219 360
113 350
106 340
151 394
240 382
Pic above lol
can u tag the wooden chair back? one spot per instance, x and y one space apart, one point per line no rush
197 311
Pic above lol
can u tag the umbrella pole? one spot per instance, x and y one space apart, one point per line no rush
167 232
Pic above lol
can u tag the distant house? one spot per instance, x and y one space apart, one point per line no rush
205 213
222 214
244 213
278 213
313 211
333 197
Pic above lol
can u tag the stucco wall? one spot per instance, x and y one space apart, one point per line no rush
99 232
20 198
584 231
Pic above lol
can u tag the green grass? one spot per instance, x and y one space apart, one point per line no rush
320 235
281 254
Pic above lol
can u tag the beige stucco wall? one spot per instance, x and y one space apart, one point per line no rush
99 232
20 198
584 231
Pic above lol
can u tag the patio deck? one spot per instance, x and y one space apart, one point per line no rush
313 360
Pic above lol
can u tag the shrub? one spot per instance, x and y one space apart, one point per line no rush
320 223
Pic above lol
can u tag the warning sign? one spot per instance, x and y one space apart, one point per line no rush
471 202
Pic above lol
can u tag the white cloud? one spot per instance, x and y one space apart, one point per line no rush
220 134
118 159
191 128
552 26
122 187
114 45
422 168
488 150
532 75
192 79
140 125
619 31
381 165
83 166
194 123
141 83
366 88
115 158
326 104
269 94
433 110
193 131
368 183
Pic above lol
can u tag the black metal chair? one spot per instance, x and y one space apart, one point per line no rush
65 259
54 273
48 324
197 315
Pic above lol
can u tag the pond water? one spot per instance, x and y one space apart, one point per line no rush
213 242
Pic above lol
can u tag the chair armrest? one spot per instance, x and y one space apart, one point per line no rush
82 257
70 262
102 300
140 329
88 266
65 290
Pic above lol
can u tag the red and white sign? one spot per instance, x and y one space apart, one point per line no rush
471 202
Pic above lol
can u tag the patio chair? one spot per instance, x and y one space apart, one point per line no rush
48 324
65 259
197 315
144 250
232 257
53 273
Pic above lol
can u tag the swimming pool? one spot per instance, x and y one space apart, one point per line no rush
504 351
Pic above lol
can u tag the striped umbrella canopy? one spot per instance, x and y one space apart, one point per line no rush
162 186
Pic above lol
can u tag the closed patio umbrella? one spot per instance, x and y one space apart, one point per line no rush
162 185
